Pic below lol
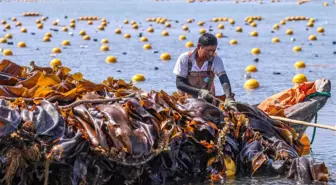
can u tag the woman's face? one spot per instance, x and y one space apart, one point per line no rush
206 52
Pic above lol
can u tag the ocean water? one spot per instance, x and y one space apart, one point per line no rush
84 56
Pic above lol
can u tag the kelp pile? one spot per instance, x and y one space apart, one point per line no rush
58 128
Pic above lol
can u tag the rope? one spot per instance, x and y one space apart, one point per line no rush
327 94
314 131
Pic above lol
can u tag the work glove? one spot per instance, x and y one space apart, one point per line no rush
230 104
205 94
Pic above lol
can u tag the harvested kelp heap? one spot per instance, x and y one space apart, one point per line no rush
58 128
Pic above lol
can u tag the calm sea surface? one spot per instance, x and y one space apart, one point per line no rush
84 56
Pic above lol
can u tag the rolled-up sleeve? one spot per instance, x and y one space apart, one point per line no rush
218 66
181 66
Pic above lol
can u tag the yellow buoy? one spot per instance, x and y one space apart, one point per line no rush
86 37
66 43
7 26
282 22
14 19
239 29
189 44
117 31
200 23
231 21
103 24
101 28
233 42
312 37
138 78
249 20
220 26
255 51
104 48
18 24
125 21
254 34
299 64
9 36
320 30
251 84
55 23
90 22
46 39
150 29
165 56
215 19
77 76
189 20
111 59
253 24
182 37
276 26
23 30
55 62
202 31
251 69
275 40
147 46
3 40
56 50
21 45
185 28
104 41
325 4
310 24
48 34
162 21
311 20
168 25
143 39
297 49
3 22
299 78
72 25
219 35
289 32
38 21
127 36
82 33
135 26
65 29
40 26
165 33
7 52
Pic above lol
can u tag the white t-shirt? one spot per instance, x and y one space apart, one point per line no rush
181 66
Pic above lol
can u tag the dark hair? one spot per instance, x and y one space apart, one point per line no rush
207 39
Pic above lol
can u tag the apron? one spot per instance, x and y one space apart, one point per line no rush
200 79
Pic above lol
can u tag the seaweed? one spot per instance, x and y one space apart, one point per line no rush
57 128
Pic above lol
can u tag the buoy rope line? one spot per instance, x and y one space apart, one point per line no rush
314 130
